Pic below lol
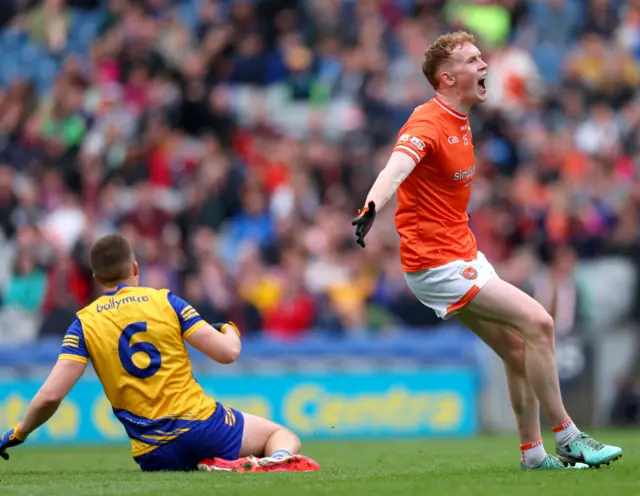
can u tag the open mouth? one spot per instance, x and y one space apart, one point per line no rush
481 82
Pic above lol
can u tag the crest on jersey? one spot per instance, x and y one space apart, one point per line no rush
419 144
469 272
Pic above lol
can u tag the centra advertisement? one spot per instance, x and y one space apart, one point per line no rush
428 403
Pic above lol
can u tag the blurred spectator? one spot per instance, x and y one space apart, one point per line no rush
556 22
49 24
294 314
488 18
600 133
560 293
27 286
253 225
8 202
628 32
515 81
62 127
22 300
601 18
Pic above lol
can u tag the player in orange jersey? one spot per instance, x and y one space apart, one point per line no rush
431 169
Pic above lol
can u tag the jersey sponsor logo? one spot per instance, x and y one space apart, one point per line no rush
417 142
464 128
115 304
469 272
463 175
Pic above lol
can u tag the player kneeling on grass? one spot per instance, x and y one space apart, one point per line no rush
134 337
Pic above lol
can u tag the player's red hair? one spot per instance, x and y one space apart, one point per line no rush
440 51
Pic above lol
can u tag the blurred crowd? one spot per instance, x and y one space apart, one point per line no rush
233 141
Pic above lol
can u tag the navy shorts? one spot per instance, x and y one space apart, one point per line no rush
219 436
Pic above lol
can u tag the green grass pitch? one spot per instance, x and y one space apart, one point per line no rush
480 466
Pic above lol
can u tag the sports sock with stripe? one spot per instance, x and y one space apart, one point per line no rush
566 432
279 454
533 454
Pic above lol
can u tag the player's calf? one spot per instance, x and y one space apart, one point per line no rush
262 437
266 447
503 303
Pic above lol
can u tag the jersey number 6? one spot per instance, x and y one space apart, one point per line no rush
126 351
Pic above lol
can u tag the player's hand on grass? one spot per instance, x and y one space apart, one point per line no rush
364 221
8 440
223 327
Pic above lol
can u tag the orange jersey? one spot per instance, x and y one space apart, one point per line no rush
432 218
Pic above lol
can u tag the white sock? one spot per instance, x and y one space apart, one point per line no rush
566 432
280 454
533 454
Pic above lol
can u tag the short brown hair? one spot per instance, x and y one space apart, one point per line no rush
440 51
110 258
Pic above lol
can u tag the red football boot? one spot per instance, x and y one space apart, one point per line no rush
294 463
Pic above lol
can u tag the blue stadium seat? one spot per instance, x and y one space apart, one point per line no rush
11 40
45 74
77 47
549 60
9 70
30 52
188 14
447 345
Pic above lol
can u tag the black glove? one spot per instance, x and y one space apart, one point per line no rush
364 221
223 327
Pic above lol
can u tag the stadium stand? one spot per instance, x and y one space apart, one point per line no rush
233 141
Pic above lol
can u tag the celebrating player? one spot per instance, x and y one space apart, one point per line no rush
134 337
432 168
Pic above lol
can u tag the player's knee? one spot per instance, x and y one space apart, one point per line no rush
540 328
296 443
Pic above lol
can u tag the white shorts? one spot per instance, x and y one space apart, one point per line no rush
448 288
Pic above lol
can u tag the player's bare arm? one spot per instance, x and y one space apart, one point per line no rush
398 168
61 380
44 405
222 345
390 178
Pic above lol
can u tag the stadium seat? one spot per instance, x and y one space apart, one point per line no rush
549 59
448 345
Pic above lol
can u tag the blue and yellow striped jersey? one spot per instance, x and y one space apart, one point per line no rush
135 339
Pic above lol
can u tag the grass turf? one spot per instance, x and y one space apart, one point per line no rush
480 466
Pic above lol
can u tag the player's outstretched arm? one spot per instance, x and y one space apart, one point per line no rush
220 342
398 168
45 403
